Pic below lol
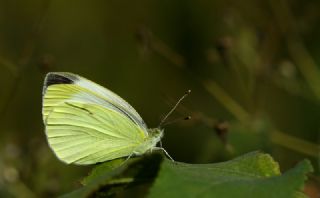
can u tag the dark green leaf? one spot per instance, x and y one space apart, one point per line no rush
114 176
252 175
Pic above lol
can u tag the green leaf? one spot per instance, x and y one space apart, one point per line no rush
252 175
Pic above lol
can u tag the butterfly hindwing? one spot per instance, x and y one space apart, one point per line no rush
88 133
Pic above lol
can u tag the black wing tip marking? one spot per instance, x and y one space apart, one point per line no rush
59 78
54 78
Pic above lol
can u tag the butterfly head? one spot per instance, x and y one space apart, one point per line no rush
155 135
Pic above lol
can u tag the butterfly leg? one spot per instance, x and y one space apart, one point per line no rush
126 159
166 153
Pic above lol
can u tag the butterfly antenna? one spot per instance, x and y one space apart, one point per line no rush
175 106
176 120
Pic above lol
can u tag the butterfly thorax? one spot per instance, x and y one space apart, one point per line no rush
154 136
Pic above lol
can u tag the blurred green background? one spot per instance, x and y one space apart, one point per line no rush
253 68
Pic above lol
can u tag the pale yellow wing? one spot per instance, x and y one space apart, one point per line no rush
93 92
83 128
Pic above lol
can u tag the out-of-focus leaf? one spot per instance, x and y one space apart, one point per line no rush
95 185
251 175
114 176
102 169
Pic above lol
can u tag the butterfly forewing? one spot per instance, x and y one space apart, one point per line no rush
97 90
83 127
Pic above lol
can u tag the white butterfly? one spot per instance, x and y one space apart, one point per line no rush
87 123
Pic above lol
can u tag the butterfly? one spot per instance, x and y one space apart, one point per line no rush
86 123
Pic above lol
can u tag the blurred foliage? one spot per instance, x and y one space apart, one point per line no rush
252 66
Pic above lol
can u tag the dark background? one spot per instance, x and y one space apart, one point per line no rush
252 66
